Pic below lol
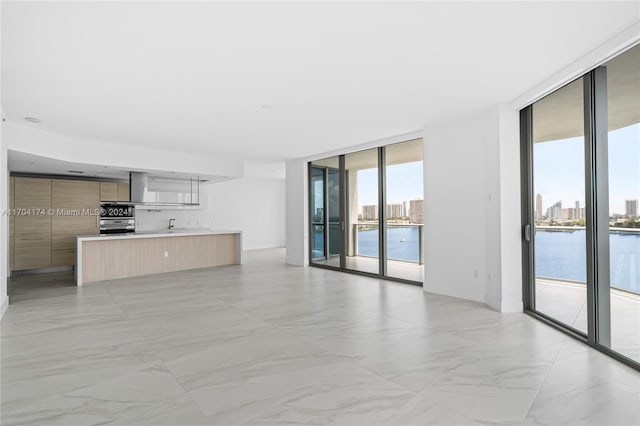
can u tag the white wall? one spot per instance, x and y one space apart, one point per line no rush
472 209
297 213
4 204
253 205
454 206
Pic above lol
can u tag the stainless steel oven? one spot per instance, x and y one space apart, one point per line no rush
116 218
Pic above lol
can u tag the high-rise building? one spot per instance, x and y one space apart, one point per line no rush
555 211
394 211
538 206
416 211
405 208
370 212
631 208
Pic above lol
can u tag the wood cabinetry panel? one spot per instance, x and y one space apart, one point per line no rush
47 237
30 226
32 193
74 225
12 203
75 194
63 242
64 257
78 201
121 258
108 191
32 253
123 192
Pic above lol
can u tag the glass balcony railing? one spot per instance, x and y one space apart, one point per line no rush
404 241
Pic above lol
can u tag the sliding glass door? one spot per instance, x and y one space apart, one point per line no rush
317 208
324 206
558 185
404 210
581 189
350 231
363 217
623 116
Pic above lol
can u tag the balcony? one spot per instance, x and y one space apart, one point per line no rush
566 301
405 259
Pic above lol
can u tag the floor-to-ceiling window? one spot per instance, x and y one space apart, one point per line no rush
316 206
404 210
623 116
363 214
581 189
369 204
324 206
558 185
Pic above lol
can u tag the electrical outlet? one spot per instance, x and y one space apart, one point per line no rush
166 254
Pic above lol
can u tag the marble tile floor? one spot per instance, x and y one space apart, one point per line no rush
268 344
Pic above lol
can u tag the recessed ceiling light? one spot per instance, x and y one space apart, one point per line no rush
266 106
33 120
78 172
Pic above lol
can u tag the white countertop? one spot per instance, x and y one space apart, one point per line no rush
155 234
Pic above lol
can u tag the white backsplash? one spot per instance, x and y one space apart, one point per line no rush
151 220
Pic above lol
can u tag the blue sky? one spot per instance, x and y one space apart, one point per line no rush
558 173
559 169
404 182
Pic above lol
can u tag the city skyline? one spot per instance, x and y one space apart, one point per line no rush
412 209
558 211
404 183
558 169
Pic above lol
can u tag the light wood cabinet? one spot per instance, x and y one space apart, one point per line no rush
123 191
51 213
108 191
74 194
113 191
76 203
32 223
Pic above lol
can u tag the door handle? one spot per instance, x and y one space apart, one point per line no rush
527 232
342 225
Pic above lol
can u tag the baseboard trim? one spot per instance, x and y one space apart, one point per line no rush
42 270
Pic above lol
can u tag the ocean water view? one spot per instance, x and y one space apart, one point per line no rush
402 243
559 254
562 255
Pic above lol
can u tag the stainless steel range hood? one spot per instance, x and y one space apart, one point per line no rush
141 195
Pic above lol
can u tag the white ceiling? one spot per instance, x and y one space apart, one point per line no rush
195 76
22 162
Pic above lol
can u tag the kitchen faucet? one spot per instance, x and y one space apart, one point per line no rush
171 223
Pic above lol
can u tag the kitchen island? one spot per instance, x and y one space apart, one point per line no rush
112 256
